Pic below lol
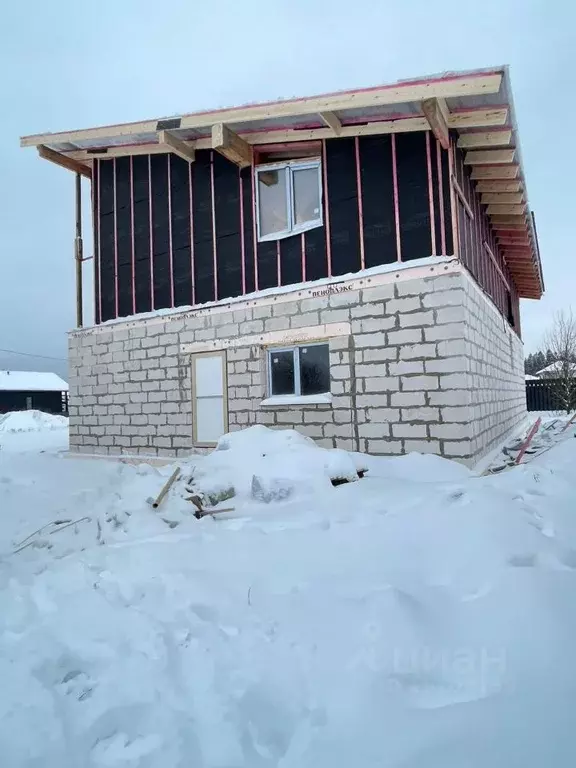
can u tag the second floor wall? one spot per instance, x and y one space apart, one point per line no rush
170 233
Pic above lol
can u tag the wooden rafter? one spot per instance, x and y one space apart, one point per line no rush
521 226
521 239
502 198
176 145
489 157
231 146
513 210
478 118
437 115
508 219
485 139
491 172
333 122
476 84
499 186
277 137
404 125
64 161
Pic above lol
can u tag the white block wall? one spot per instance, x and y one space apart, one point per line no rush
427 364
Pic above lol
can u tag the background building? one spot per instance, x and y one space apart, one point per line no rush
24 390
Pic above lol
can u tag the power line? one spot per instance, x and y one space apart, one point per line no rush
29 354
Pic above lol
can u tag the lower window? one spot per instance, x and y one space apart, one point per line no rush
302 370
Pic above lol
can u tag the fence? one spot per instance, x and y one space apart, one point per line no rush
543 395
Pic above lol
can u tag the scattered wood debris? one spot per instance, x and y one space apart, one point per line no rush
164 490
539 439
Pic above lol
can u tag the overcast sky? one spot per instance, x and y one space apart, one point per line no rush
73 65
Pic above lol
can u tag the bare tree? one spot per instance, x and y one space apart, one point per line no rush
561 340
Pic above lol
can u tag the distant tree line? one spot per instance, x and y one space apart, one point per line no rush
560 342
538 360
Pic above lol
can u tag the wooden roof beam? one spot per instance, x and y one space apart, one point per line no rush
502 198
478 118
473 84
497 225
499 186
437 114
492 172
512 210
485 139
333 122
177 146
64 162
231 146
288 135
489 157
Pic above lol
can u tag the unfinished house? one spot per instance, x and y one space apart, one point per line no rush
349 265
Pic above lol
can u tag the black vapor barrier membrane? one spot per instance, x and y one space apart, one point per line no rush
228 235
163 223
343 205
107 242
378 200
412 170
180 173
124 236
202 225
142 270
160 231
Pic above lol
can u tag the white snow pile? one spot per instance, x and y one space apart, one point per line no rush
31 421
271 465
420 617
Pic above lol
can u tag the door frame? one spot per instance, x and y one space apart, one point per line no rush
212 353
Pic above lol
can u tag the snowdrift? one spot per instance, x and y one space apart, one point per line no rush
418 617
267 465
31 421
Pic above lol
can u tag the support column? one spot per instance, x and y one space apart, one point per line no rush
78 253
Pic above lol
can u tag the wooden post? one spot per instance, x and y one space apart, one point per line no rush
78 252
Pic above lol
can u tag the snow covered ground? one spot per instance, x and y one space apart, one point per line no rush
421 617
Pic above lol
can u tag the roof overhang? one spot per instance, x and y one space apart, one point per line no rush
477 104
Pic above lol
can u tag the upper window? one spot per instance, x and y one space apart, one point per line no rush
288 198
302 370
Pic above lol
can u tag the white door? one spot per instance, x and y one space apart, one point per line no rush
209 401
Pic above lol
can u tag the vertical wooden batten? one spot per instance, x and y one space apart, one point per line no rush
116 300
96 234
255 236
132 227
242 244
78 253
359 193
453 209
396 201
151 232
170 240
441 197
326 208
431 194
214 246
192 278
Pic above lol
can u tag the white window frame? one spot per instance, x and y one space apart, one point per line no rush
297 383
290 166
196 400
